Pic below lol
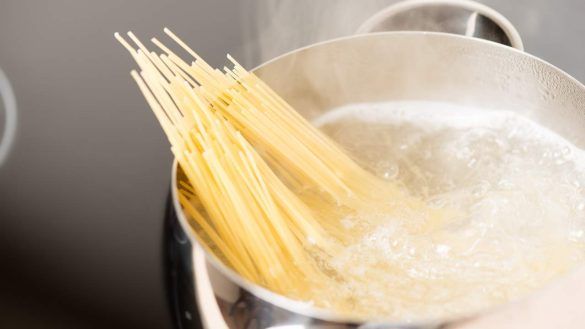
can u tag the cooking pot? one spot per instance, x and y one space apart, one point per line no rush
381 67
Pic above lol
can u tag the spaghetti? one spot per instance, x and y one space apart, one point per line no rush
246 153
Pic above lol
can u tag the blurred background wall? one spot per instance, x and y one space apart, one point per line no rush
82 194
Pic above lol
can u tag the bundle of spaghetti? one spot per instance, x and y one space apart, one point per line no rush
260 227
302 154
248 155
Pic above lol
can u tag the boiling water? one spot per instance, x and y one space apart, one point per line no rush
520 190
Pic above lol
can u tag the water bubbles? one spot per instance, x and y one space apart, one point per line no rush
464 153
577 234
395 243
505 184
443 250
564 155
480 189
412 251
387 170
517 189
437 202
566 151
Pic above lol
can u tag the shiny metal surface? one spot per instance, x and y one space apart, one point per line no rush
463 17
409 66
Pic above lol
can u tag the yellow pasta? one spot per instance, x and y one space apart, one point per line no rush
243 202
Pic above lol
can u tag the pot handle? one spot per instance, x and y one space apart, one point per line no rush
463 17
8 117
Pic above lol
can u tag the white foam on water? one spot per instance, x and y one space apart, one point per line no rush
519 186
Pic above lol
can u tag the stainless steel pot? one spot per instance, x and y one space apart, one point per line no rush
386 66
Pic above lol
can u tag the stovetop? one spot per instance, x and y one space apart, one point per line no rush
83 191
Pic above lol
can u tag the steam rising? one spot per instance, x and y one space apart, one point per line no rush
277 27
